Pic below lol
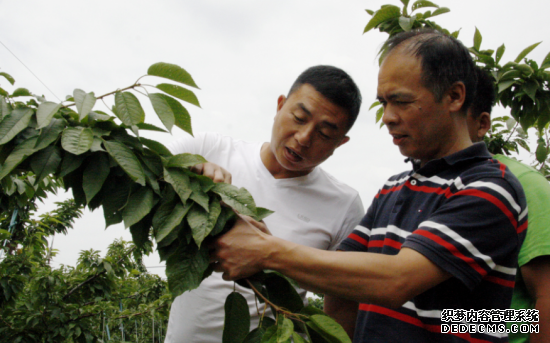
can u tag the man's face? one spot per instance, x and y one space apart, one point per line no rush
420 126
307 130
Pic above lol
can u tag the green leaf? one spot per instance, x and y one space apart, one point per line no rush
530 88
150 127
77 140
155 146
406 23
140 232
128 109
117 191
180 93
421 4
202 222
297 338
477 39
546 62
198 195
3 92
45 113
441 10
96 145
510 75
14 123
525 52
185 160
5 107
500 52
165 222
254 336
126 159
225 219
21 92
542 151
139 205
94 175
183 119
237 319
45 162
279 333
172 72
262 213
502 86
328 328
8 77
163 110
237 198
282 293
70 163
18 155
180 181
84 102
185 268
383 15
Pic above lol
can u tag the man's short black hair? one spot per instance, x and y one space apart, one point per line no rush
484 100
444 59
335 85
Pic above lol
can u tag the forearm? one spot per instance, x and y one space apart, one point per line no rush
543 306
358 276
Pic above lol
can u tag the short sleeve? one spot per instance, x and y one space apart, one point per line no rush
353 216
474 232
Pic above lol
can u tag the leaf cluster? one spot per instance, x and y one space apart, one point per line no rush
293 322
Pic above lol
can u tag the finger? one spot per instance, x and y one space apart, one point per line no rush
197 168
256 224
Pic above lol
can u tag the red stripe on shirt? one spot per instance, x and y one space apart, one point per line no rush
522 227
472 192
452 249
502 168
447 192
389 190
387 241
414 321
500 281
359 239
493 200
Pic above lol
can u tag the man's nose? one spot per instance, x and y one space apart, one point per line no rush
389 117
304 134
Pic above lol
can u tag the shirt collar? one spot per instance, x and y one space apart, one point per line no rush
477 151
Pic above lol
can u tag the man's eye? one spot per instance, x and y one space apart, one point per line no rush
323 136
298 119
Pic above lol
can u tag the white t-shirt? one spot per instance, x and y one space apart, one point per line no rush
314 210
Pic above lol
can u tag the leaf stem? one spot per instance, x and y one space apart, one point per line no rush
107 94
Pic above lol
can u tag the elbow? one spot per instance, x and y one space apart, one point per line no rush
395 295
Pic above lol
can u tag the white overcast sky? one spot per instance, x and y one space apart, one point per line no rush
243 54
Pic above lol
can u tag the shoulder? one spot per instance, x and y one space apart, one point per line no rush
329 180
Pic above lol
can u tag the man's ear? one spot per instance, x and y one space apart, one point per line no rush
484 124
457 95
280 102
344 141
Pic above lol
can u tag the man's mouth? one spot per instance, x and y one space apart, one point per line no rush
292 155
397 138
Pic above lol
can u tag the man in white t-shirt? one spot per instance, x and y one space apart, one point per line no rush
282 175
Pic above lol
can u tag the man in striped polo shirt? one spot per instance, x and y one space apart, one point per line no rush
439 243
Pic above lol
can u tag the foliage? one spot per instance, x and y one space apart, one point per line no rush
79 304
522 85
139 182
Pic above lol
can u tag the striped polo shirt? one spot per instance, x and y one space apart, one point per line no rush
467 214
